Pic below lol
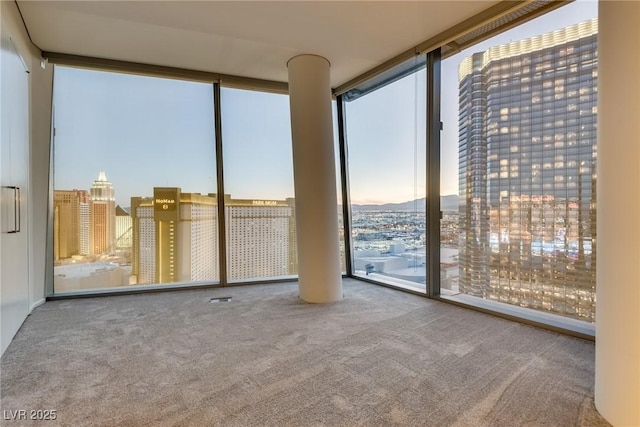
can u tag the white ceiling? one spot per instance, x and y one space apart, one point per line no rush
244 38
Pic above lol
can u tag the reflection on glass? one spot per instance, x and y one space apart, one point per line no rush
520 114
387 146
134 181
259 199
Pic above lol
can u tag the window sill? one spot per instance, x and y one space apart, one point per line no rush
554 322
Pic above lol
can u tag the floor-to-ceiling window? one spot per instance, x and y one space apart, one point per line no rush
135 200
134 181
386 144
258 180
518 166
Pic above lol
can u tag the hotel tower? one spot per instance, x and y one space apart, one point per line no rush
527 177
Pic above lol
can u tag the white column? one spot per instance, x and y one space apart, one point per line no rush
320 278
617 386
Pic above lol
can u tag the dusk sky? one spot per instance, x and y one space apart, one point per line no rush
145 132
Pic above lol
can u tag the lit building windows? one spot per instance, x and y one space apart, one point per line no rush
515 231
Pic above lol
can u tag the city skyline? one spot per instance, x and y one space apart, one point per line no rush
523 158
167 237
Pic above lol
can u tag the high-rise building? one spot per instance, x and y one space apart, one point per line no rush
198 238
174 237
123 228
103 215
143 238
261 239
86 231
71 216
527 157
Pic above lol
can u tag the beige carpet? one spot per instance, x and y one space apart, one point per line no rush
380 357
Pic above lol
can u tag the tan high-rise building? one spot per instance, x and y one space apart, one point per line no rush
198 238
103 215
71 216
143 238
175 237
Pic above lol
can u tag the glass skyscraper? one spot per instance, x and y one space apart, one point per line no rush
527 158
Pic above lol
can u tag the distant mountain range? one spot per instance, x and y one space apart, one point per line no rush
447 203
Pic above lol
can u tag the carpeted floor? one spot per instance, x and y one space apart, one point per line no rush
380 357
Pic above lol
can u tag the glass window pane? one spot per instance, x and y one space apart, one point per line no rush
518 195
259 192
134 181
387 155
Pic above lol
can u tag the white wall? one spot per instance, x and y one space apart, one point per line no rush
617 387
41 83
41 92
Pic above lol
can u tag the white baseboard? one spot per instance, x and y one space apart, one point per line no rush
37 304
